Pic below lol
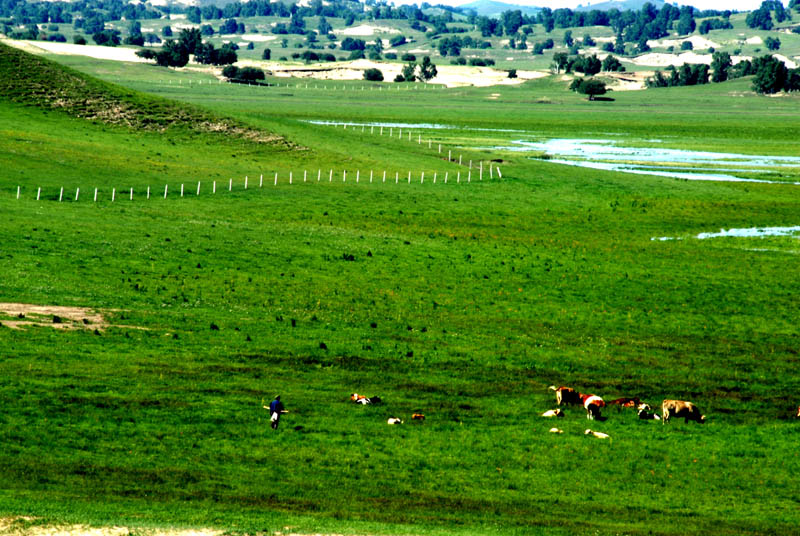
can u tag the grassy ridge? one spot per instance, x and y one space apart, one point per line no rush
463 302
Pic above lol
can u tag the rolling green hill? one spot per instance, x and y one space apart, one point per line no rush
463 301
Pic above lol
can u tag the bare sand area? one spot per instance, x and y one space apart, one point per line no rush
25 526
448 75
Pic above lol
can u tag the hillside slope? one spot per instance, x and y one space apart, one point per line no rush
36 81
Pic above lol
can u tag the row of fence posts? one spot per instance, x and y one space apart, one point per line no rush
372 177
317 86
419 142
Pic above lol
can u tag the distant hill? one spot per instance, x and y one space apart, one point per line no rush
492 8
622 5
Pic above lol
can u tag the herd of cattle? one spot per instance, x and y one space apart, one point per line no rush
593 404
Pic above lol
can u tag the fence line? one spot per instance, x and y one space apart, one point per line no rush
412 178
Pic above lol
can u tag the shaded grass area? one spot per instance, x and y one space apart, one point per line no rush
463 302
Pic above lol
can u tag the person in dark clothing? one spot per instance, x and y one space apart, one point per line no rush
275 411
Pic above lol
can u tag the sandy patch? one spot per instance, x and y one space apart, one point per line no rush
93 51
25 315
786 61
258 37
755 40
448 75
697 41
22 526
366 29
658 59
632 81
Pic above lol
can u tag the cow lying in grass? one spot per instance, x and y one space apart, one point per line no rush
626 402
646 414
363 400
680 408
553 413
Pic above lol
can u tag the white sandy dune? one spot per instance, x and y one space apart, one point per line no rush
366 29
448 75
697 41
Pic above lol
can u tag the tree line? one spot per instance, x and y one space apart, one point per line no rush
770 75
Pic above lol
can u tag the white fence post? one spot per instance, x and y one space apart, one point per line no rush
491 171
131 193
245 182
261 181
370 176
95 195
181 189
458 178
276 178
422 178
305 173
344 176
214 187
396 177
409 177
39 191
446 173
499 175
434 177
165 190
358 175
330 176
61 195
384 175
113 194
230 185
319 174
17 192
198 187
290 177
148 192
77 191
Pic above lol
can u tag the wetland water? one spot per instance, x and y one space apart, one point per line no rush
675 163
608 155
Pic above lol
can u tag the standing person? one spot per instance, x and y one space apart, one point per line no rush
275 411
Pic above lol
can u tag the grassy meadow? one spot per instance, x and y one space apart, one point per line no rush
463 301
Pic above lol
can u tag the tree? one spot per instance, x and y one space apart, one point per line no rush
373 75
110 38
191 38
172 54
771 75
610 63
166 31
267 54
772 43
686 23
589 86
568 40
760 18
193 15
408 72
560 61
427 70
720 63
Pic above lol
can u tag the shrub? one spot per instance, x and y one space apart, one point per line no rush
408 57
373 75
390 56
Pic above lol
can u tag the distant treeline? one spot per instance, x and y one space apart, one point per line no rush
770 75
629 26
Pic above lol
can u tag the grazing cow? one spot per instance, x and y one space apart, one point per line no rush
680 408
626 402
592 403
556 431
553 413
599 435
394 420
417 417
363 400
566 395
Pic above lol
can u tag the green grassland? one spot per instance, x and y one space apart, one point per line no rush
462 301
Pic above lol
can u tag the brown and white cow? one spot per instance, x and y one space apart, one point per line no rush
798 412
592 403
566 395
680 408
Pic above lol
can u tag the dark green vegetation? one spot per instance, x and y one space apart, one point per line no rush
461 301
